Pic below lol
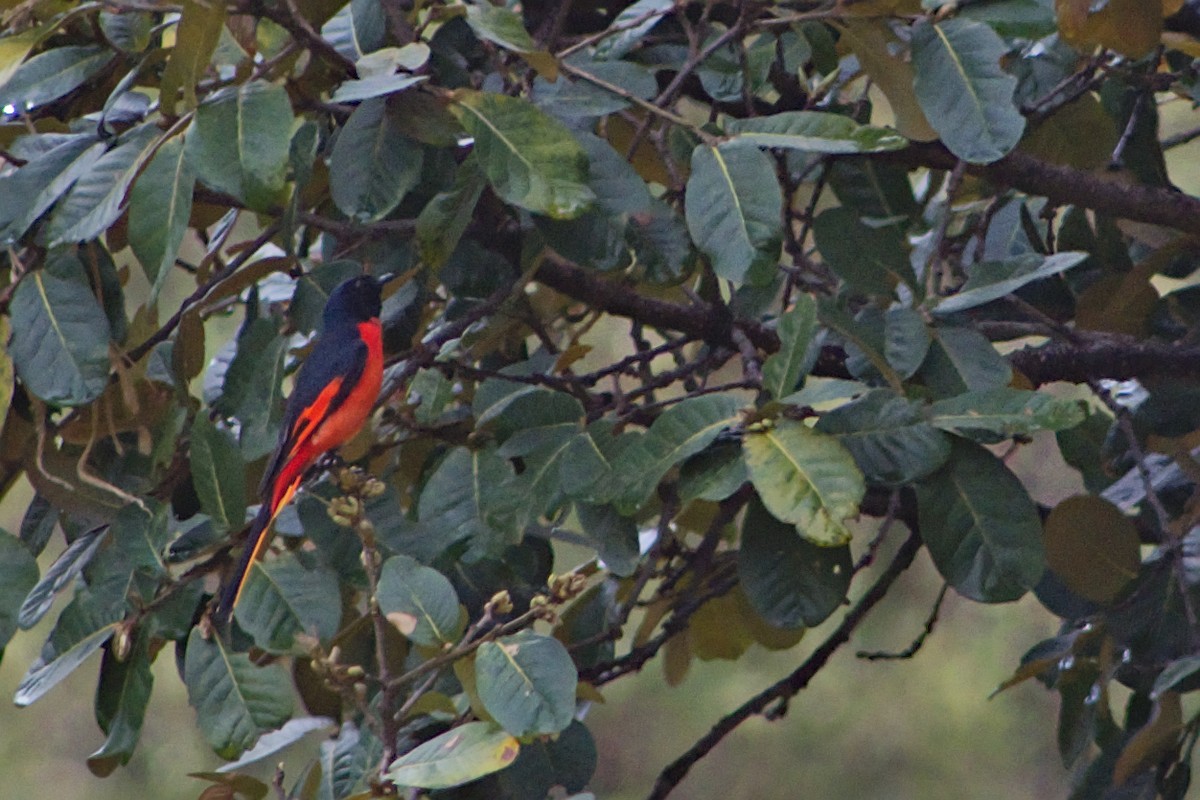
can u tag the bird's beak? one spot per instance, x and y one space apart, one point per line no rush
385 279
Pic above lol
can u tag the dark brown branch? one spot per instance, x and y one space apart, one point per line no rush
1090 357
917 643
677 770
288 16
1105 356
698 320
1064 185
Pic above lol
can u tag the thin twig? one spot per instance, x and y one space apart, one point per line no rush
600 36
918 643
1118 154
164 332
794 683
868 557
389 692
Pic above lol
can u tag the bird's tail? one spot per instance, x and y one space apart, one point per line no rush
256 542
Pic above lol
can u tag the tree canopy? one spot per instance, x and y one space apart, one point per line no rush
710 317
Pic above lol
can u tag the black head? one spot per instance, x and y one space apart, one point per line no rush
354 301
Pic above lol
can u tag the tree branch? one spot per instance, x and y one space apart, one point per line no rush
677 770
1092 356
1064 185
1098 355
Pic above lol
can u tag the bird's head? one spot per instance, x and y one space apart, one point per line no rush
355 300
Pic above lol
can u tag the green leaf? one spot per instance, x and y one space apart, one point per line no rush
992 280
235 700
94 201
619 189
458 756
375 87
1006 412
584 92
678 433
982 530
632 25
714 474
732 72
891 440
141 536
431 392
218 473
38 185
347 760
586 469
870 259
961 359
60 338
542 450
51 75
121 700
872 188
160 205
373 165
18 576
420 602
734 207
510 406
529 158
63 571
783 369
196 38
815 132
806 478
455 502
45 675
527 683
790 582
1029 19
966 96
500 26
359 28
615 537
283 598
252 389
128 30
272 742
38 524
906 340
567 760
238 142
1176 673
444 219
593 239
1082 447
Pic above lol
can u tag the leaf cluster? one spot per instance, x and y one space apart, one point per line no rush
705 299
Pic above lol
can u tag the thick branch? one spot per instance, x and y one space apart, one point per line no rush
1098 356
794 683
1064 185
1091 357
699 320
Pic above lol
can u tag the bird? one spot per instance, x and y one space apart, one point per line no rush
334 393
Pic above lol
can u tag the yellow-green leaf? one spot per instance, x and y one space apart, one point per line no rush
805 478
458 756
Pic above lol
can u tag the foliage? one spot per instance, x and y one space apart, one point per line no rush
712 297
